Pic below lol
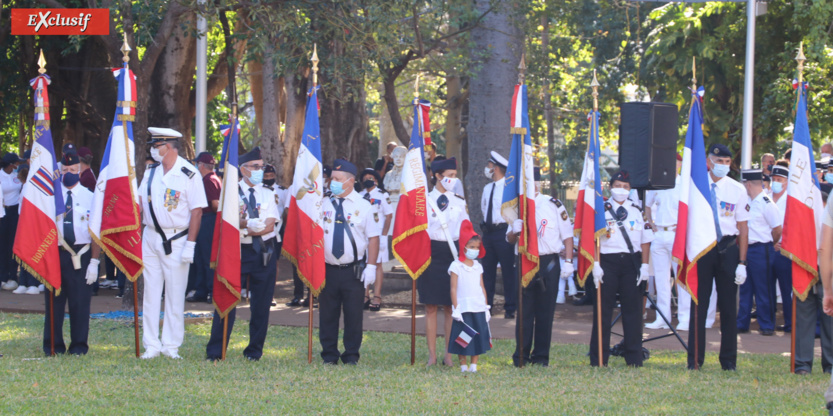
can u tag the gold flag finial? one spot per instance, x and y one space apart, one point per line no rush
595 85
314 61
800 58
522 69
125 50
41 63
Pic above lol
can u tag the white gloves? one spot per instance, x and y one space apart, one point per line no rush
488 315
740 274
369 275
567 270
458 316
517 226
92 271
187 254
598 274
255 225
643 274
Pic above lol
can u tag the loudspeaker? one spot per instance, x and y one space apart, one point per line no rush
648 144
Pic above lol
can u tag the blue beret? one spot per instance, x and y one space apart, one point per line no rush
328 170
253 154
10 158
720 150
341 165
445 164
70 159
621 176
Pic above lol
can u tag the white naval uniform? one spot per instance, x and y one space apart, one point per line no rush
359 215
11 186
764 216
267 207
174 195
454 215
380 202
497 200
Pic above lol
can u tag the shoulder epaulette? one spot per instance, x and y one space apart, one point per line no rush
188 172
556 202
636 206
766 199
367 196
268 187
458 196
281 187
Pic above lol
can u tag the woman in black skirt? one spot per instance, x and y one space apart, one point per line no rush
434 286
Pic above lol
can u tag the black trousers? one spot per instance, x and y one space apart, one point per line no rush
76 294
201 276
718 266
343 292
8 228
538 311
262 285
619 278
500 251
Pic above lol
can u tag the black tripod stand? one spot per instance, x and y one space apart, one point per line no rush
662 315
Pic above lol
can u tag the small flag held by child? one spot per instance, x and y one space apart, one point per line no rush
466 335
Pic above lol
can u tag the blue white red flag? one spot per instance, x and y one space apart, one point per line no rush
304 237
225 129
590 218
696 233
114 219
36 244
466 335
519 190
225 244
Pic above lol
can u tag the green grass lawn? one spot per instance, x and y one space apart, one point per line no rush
109 379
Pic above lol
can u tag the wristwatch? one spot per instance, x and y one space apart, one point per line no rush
743 262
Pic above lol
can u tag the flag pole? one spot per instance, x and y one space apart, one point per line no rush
595 85
413 281
125 50
521 194
42 70
800 59
696 305
314 60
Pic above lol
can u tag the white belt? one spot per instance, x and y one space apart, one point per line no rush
167 231
76 257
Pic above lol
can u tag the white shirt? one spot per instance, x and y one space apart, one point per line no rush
266 207
764 216
174 195
638 232
553 224
11 187
731 204
82 202
497 200
380 201
782 206
454 214
359 216
469 293
281 199
664 205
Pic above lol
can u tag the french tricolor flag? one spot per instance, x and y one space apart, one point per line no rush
304 237
590 218
519 190
114 219
696 234
36 245
225 245
802 222
466 335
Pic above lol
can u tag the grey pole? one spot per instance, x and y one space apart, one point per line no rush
202 49
748 82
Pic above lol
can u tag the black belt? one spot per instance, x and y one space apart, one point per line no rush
488 228
11 206
759 244
726 243
342 266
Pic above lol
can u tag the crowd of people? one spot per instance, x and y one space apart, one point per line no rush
744 276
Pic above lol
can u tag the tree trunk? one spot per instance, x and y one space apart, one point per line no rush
270 125
491 93
296 85
453 118
344 123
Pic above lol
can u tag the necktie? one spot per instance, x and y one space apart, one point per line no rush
714 212
69 228
621 213
257 241
442 202
338 231
489 210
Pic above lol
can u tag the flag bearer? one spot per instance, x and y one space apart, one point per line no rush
494 237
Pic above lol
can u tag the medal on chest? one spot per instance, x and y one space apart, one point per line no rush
171 199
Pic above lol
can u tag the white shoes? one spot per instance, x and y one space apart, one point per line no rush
10 285
682 326
20 290
150 354
560 298
171 354
572 291
191 294
32 290
658 324
108 284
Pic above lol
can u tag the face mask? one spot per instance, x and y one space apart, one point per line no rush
70 179
777 187
769 168
720 170
336 187
154 153
368 184
449 183
268 182
828 177
257 177
824 155
472 253
619 194
488 172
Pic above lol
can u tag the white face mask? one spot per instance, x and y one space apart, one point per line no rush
449 183
619 194
488 172
472 253
720 170
154 153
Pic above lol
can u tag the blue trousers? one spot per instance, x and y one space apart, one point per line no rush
782 272
500 251
757 285
201 276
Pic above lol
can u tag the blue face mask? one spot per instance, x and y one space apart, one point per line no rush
828 177
472 253
336 187
777 187
720 170
70 179
257 177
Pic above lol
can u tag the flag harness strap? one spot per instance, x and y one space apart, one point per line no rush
444 226
166 243
350 237
609 208
266 252
76 257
